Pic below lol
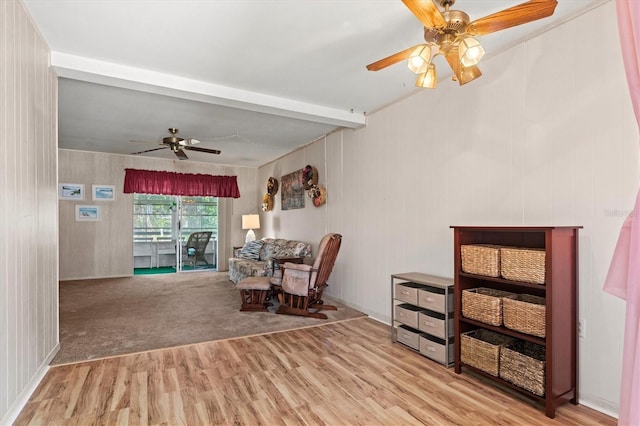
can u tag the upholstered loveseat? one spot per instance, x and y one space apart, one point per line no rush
255 258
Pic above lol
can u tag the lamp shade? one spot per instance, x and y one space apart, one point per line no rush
250 221
428 79
420 59
470 52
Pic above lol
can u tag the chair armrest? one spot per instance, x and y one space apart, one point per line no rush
297 266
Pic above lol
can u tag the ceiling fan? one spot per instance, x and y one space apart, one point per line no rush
177 144
451 33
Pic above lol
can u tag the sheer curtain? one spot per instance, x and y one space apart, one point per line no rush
623 279
172 183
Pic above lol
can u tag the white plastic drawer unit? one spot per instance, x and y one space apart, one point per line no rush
407 314
408 292
409 336
433 298
435 348
434 323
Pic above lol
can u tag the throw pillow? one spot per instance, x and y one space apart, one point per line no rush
251 250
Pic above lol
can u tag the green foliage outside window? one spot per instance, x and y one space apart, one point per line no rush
155 216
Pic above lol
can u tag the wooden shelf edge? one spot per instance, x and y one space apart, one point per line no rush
504 330
503 382
503 281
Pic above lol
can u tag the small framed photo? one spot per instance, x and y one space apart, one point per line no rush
71 191
88 213
103 192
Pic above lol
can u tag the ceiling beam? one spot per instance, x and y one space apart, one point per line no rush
110 74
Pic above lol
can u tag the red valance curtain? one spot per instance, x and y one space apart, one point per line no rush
172 183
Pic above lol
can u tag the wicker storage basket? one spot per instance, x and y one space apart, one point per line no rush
523 364
526 313
484 304
481 349
519 264
481 259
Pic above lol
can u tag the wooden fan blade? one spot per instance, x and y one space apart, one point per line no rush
513 16
393 59
197 148
149 150
427 12
180 154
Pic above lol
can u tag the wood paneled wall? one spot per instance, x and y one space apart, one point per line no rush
105 248
545 137
28 208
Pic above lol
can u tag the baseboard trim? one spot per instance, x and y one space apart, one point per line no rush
18 405
603 406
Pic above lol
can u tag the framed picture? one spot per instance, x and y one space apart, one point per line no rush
88 213
103 192
71 191
292 191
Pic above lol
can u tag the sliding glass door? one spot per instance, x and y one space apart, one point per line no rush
162 227
197 215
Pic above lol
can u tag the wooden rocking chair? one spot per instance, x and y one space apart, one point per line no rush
303 285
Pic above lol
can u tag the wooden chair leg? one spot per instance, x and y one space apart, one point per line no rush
318 303
254 300
297 305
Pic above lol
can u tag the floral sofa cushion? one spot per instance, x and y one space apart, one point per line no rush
241 268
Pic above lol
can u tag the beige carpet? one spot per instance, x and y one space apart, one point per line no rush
115 316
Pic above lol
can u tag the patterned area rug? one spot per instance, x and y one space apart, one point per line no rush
106 317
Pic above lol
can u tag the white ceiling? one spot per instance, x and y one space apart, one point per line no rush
253 78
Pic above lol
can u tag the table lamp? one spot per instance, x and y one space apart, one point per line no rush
250 222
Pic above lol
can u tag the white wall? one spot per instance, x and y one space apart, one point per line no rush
29 229
105 248
545 137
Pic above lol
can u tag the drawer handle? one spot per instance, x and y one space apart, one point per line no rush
405 336
405 292
431 349
430 299
429 324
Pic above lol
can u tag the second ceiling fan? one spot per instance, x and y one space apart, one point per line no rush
178 144
451 33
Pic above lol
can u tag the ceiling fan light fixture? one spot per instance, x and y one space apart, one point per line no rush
468 74
470 51
452 34
420 59
428 79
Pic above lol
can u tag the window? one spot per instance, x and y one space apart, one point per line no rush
199 214
154 217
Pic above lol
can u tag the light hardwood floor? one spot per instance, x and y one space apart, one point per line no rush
346 373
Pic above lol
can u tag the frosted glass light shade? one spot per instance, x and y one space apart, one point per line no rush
428 79
470 52
468 74
419 60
